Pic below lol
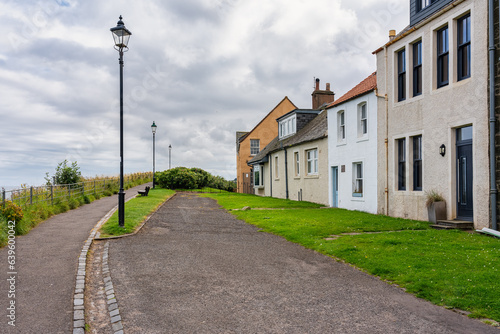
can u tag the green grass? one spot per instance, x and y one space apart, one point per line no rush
136 210
449 268
233 201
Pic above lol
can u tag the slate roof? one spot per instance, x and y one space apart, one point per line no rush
362 88
314 130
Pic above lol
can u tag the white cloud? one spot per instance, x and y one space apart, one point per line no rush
202 69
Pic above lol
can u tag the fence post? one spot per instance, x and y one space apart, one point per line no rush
3 198
69 191
31 195
94 189
51 194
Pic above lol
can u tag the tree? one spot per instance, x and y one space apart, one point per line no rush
65 174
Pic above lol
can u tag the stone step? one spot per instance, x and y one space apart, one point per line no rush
454 224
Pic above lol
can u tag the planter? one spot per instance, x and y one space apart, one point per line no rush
437 211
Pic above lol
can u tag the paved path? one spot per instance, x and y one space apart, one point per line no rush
47 260
194 268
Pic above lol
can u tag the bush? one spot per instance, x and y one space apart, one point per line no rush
203 177
177 178
12 212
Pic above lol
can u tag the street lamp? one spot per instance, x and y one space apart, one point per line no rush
153 129
121 35
169 156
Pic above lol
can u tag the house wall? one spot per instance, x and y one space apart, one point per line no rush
265 131
436 114
313 188
355 148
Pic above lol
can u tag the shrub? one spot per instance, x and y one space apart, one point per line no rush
177 178
203 177
12 212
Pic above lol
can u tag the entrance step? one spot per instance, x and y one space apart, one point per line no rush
453 225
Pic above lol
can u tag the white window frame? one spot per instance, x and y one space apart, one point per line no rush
253 147
357 179
341 126
258 180
287 126
312 161
296 163
361 120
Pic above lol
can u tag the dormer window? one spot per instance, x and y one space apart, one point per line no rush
423 4
287 126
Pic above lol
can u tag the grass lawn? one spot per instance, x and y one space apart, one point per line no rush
231 201
136 210
454 269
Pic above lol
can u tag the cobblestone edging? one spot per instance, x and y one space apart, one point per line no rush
78 298
114 311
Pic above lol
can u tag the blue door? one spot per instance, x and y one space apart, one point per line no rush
335 187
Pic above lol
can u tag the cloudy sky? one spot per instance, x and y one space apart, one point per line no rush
201 69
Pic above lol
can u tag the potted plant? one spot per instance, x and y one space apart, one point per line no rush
436 206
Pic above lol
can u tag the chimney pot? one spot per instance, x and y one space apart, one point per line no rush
328 86
317 84
392 34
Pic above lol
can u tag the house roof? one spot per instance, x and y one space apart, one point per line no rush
362 88
314 130
298 111
262 120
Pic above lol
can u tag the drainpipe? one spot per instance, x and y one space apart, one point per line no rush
270 175
493 186
286 173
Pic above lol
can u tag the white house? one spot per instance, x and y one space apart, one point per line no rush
352 148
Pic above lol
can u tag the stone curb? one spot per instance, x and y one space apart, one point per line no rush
78 296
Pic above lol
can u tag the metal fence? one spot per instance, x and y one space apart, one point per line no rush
62 192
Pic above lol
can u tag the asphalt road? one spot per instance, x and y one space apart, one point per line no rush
194 268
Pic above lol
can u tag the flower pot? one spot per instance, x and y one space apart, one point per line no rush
437 211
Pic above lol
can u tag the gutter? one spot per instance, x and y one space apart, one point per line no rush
286 173
493 186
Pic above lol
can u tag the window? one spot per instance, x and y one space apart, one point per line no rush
442 57
402 75
401 164
362 120
287 126
296 158
258 174
463 71
276 168
254 146
312 161
357 179
421 4
417 163
341 125
417 68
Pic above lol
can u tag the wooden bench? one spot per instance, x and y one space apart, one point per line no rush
145 192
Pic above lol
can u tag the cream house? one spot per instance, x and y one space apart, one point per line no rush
433 120
295 164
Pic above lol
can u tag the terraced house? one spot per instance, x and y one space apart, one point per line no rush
434 122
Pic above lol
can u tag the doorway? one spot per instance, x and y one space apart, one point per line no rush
335 187
465 209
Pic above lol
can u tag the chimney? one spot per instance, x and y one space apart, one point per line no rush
392 34
322 97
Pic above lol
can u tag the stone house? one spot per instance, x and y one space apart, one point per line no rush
433 112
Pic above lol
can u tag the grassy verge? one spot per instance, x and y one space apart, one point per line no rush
136 210
233 201
453 269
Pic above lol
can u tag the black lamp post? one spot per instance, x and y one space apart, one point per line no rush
153 129
121 35
169 156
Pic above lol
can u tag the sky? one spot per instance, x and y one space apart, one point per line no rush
201 69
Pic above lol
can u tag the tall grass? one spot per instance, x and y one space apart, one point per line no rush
35 213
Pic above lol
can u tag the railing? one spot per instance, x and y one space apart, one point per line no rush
63 192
